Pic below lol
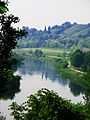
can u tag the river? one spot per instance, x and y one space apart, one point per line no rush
37 74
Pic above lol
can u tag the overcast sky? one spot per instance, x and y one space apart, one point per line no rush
38 13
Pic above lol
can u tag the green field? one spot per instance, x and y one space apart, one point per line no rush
47 51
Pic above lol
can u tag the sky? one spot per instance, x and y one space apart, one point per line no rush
38 13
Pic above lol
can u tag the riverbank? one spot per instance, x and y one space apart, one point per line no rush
75 76
52 56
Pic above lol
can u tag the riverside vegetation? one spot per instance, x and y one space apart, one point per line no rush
45 104
65 36
8 36
63 68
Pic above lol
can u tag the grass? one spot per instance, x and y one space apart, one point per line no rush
45 50
49 52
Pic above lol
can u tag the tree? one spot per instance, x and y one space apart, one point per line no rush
86 63
8 41
38 53
87 89
45 29
8 37
47 105
77 58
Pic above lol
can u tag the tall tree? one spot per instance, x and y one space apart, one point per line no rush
8 37
77 58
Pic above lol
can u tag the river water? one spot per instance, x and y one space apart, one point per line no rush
37 74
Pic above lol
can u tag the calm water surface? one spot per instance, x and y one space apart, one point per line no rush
37 74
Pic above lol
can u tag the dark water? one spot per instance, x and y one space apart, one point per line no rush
37 74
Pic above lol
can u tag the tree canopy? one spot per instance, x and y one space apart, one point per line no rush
47 105
77 58
67 36
8 37
38 53
8 41
81 59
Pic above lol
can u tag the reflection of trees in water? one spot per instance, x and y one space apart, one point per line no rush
75 88
45 68
8 89
47 71
9 84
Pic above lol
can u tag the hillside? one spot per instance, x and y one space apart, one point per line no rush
67 36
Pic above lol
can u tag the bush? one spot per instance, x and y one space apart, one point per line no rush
38 53
47 105
77 58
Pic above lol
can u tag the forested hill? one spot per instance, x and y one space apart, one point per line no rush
66 35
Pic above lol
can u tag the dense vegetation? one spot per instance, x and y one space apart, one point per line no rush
67 36
8 38
38 53
8 41
47 105
76 69
34 108
81 60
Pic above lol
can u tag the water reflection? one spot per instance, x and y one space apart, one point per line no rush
10 88
47 70
75 89
9 84
35 74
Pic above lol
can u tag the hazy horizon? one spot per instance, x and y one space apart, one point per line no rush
39 14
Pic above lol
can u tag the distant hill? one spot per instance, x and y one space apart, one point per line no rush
67 36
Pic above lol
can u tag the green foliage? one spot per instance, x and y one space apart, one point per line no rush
8 37
14 59
46 51
9 84
81 59
67 36
3 7
86 63
87 89
47 105
77 58
61 64
38 53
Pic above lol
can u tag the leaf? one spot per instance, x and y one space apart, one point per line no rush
3 7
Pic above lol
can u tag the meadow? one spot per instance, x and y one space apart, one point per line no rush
49 52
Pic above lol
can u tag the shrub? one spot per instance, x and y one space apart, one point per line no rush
47 105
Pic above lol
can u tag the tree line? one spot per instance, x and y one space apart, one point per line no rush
81 60
66 36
